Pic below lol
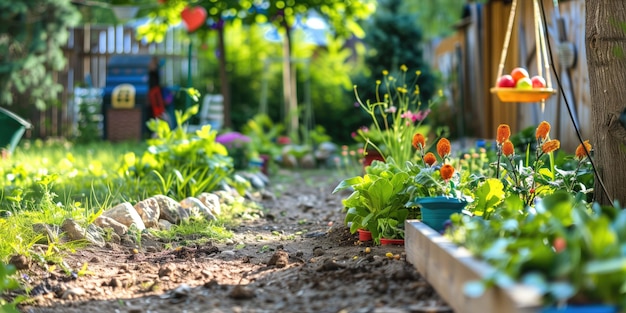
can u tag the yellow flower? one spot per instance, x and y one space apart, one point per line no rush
580 150
503 133
446 172
419 141
550 146
403 68
542 130
430 159
443 147
385 72
507 148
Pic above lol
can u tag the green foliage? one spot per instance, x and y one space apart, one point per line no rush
562 247
393 39
178 163
7 282
33 34
378 197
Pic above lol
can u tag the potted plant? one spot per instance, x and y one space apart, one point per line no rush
437 190
377 201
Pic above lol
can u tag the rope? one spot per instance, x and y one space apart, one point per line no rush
569 110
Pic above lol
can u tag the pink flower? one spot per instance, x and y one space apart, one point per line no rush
421 115
392 109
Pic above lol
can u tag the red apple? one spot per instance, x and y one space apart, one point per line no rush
524 84
538 82
506 81
519 73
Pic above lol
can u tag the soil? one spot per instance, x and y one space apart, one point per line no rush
297 257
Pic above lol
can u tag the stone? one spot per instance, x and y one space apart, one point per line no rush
168 209
51 232
212 202
73 293
20 262
240 292
307 161
106 222
196 208
165 225
280 259
125 214
149 211
76 232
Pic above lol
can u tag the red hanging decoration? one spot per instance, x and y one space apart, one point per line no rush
193 17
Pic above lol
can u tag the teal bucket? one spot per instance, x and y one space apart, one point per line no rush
12 127
437 210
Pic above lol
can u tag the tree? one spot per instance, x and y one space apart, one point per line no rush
32 34
605 36
394 39
343 16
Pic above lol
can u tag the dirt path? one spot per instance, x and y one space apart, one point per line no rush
297 258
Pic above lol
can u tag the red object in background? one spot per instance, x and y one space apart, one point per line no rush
371 156
193 17
156 101
283 140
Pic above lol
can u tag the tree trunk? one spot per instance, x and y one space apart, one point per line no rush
289 96
606 61
225 90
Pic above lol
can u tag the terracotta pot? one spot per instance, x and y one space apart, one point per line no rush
371 156
387 241
364 235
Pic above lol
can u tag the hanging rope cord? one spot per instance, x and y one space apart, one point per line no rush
569 109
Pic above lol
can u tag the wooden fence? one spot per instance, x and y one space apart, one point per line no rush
469 60
87 52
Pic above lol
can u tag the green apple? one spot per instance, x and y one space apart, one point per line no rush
524 84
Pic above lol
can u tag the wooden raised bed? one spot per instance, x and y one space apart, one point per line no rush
448 267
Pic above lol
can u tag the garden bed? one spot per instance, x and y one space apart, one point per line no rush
448 267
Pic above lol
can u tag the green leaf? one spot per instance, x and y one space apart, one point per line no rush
489 194
608 266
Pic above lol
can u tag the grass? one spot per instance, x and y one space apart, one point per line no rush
49 181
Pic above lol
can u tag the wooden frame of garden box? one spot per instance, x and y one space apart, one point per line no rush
448 267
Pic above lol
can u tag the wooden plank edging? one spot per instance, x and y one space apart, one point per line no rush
448 267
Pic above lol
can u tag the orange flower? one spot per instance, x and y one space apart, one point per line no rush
504 132
542 130
419 141
580 151
550 145
430 159
443 147
507 148
446 172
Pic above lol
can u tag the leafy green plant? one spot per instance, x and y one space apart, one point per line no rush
567 250
396 117
378 196
7 282
180 164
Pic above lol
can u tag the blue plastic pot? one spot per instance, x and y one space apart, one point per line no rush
437 210
582 309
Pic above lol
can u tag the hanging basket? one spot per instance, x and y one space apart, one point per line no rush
516 95
533 95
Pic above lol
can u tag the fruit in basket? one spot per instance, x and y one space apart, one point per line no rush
506 81
538 82
524 83
519 73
